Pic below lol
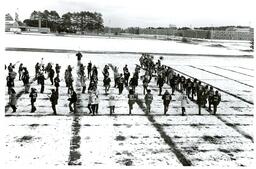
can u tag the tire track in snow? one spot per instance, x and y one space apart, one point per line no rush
167 139
221 76
18 95
74 153
245 68
233 71
224 91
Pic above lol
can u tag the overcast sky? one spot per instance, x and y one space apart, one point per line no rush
145 13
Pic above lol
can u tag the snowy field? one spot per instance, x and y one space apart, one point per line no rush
224 140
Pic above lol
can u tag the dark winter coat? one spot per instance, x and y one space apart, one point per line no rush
73 98
33 96
166 98
54 98
160 81
57 82
148 98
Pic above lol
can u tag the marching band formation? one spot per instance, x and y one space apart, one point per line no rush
146 71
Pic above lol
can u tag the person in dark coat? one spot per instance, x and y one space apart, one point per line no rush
89 69
210 98
13 100
120 84
37 68
10 83
200 91
132 97
54 101
194 89
57 69
126 77
41 80
20 71
125 69
200 102
148 100
216 101
51 74
79 56
11 67
173 83
72 101
33 96
25 79
166 100
188 87
145 84
57 83
106 84
133 83
160 83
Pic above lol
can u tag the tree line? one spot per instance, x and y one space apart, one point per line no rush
82 21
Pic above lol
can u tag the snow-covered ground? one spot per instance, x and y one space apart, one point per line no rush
115 44
173 140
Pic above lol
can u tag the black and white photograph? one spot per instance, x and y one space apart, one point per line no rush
116 83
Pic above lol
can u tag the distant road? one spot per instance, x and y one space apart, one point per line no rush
116 52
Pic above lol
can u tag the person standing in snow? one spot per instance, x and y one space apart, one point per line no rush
160 83
72 101
194 89
216 101
33 96
10 83
188 87
83 83
13 100
173 83
116 78
41 80
120 84
51 74
132 97
210 98
112 100
133 83
126 77
79 56
148 100
94 102
184 101
57 69
200 103
89 69
20 71
166 101
145 84
106 83
97 101
25 79
57 83
54 101
37 68
90 97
